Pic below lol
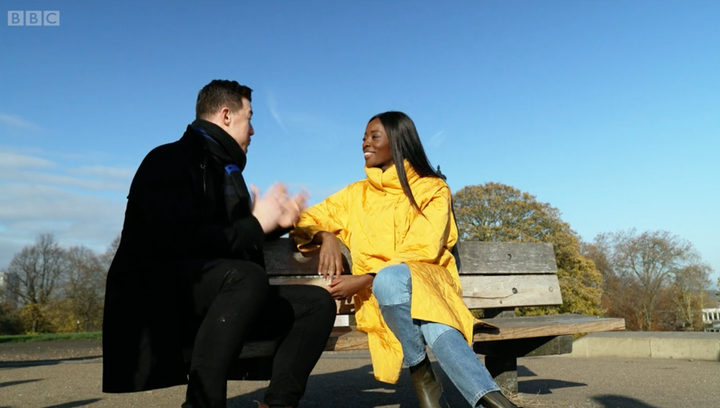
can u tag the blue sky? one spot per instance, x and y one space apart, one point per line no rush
607 110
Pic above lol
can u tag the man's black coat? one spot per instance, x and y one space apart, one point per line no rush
177 211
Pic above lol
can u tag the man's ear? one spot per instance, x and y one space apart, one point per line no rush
225 116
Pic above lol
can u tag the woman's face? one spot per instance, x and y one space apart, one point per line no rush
376 146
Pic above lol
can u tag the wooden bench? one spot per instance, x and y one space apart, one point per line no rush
496 277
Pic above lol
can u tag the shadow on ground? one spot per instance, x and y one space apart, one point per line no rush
33 363
541 387
11 383
75 403
358 388
617 401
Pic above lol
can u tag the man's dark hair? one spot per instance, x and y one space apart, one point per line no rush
218 94
405 144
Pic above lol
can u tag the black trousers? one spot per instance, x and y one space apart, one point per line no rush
227 302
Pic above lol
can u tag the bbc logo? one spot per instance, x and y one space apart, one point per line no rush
33 18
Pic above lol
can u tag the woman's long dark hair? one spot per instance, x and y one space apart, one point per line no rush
405 144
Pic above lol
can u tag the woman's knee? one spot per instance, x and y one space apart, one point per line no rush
392 285
431 331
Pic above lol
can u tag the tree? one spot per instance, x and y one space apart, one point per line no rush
10 322
9 316
497 212
36 271
84 289
107 257
688 292
655 280
618 294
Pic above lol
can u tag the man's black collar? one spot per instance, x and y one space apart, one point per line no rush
230 150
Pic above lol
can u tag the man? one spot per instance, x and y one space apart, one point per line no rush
187 286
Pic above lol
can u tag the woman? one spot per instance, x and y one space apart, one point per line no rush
399 226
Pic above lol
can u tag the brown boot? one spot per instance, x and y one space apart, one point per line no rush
495 399
427 386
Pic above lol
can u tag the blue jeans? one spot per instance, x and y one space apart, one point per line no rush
392 288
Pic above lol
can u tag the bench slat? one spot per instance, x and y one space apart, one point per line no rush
483 258
503 258
500 291
349 338
542 326
283 259
479 292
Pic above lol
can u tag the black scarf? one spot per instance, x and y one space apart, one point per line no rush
229 156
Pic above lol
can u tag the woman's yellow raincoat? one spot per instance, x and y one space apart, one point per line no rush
376 221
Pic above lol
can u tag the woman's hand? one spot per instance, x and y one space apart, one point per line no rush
330 263
348 285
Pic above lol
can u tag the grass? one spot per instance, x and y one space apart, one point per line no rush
49 336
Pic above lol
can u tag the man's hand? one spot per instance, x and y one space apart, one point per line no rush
292 207
346 286
276 209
